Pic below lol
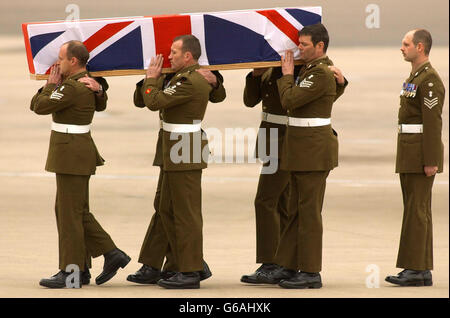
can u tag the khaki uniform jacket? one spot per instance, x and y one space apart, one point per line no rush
421 103
217 95
264 88
184 101
311 96
74 104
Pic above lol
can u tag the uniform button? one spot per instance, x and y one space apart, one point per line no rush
270 83
267 95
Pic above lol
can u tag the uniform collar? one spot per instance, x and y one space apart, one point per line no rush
424 66
189 69
77 75
323 59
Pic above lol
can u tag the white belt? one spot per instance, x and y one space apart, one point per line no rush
71 129
160 124
308 122
181 128
410 129
276 119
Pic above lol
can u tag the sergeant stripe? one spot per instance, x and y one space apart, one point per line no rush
430 103
306 83
56 95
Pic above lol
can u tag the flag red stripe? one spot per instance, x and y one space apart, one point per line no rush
281 23
28 48
104 33
166 28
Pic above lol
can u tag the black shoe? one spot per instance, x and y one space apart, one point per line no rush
145 275
205 273
85 277
181 281
302 280
113 260
252 279
57 281
410 277
274 276
167 274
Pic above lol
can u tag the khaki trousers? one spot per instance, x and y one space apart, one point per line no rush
180 212
416 241
80 235
156 244
271 213
300 245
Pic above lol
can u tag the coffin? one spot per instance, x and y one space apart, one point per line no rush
124 46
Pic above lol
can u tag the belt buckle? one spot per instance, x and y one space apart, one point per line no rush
264 116
399 129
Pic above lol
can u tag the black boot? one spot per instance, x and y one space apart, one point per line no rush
205 273
189 280
252 278
113 260
145 275
410 277
302 280
274 276
86 276
57 281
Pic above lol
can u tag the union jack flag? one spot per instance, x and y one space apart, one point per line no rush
228 37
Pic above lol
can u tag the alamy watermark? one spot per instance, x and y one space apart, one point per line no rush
236 145
373 19
73 280
373 279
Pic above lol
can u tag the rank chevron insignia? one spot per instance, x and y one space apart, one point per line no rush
430 103
305 83
56 95
170 90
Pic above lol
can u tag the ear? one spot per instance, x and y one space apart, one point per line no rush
188 55
420 47
73 61
320 45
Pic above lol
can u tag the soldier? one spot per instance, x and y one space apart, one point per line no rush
420 154
184 155
273 191
73 156
309 152
155 243
273 188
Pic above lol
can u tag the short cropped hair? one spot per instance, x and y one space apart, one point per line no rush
318 33
190 44
424 37
78 50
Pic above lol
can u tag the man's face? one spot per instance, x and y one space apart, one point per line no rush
409 50
65 65
308 51
177 57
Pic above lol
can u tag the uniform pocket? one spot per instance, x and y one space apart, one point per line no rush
60 138
410 153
